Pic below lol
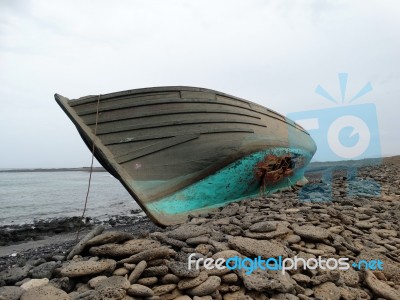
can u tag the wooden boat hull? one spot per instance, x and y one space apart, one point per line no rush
181 150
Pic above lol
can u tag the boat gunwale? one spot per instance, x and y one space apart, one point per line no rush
159 89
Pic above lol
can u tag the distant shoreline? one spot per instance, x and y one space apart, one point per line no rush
84 169
312 165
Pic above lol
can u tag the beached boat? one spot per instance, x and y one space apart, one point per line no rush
182 150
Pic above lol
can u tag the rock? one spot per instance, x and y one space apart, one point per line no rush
34 283
262 281
327 291
155 271
380 288
203 239
391 268
185 297
230 210
110 292
10 292
192 282
46 292
226 254
137 271
181 269
127 249
121 272
63 283
187 231
293 239
301 278
364 225
110 237
266 226
206 288
161 252
148 281
83 268
139 290
230 278
311 232
96 280
350 293
13 275
169 278
114 282
350 277
163 289
82 244
44 270
254 248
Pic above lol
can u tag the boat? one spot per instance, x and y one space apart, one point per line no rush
186 150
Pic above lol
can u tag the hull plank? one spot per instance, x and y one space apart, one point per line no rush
181 150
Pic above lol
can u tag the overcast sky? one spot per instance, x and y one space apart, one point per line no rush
274 53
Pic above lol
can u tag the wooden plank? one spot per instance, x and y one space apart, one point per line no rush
155 147
129 114
132 139
121 128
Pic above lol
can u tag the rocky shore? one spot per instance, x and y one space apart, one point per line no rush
357 219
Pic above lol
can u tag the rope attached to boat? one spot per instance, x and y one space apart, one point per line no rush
91 169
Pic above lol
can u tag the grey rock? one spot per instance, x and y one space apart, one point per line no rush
164 289
134 276
83 268
254 248
46 292
327 291
126 249
189 283
262 281
311 232
115 282
187 231
109 237
44 270
155 271
13 275
380 288
64 283
10 292
150 254
266 226
206 288
181 269
82 244
139 290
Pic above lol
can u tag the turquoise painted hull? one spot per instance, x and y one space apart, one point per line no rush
232 183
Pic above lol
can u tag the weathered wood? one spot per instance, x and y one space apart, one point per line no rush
161 141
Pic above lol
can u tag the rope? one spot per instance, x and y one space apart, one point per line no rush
91 169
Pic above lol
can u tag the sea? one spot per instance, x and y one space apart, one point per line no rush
29 196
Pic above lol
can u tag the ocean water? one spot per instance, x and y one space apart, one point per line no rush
26 196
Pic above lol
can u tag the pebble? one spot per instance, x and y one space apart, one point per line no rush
46 292
134 276
34 283
311 232
83 268
139 290
207 287
11 292
253 248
